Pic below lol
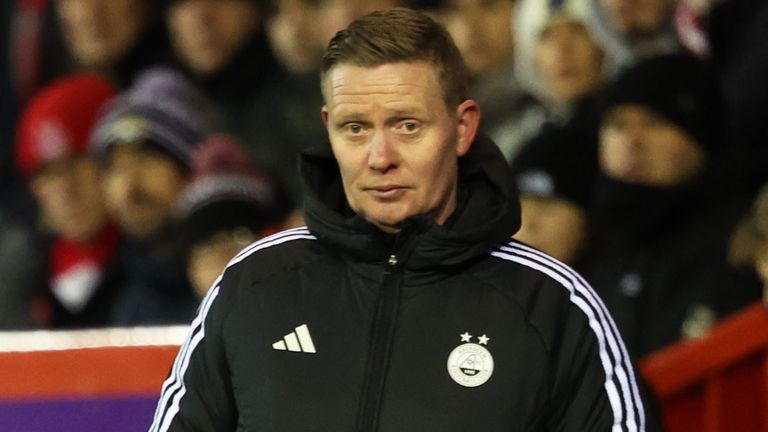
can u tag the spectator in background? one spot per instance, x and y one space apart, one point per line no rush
335 15
19 255
557 57
116 38
629 30
555 174
228 205
51 152
663 214
293 30
483 32
222 46
145 141
295 36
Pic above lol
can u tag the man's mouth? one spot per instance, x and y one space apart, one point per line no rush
387 191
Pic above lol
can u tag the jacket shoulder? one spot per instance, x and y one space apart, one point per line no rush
577 330
554 296
276 253
531 270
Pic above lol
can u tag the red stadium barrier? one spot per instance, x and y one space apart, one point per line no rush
718 383
75 381
122 371
121 362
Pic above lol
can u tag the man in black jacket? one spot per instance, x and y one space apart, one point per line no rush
405 305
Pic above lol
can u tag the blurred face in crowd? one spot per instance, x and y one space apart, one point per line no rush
639 146
99 33
396 141
556 226
208 259
293 32
69 195
569 61
637 18
335 15
141 184
482 29
206 34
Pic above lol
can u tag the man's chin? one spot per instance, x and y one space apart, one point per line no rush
387 224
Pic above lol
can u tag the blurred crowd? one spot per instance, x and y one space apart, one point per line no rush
144 143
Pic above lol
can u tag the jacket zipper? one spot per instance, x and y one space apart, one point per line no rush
382 334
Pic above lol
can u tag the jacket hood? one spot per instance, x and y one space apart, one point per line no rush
487 213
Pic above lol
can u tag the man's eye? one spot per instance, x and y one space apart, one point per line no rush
354 128
409 127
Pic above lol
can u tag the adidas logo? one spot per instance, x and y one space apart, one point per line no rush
297 341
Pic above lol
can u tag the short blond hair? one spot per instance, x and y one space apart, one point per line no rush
399 35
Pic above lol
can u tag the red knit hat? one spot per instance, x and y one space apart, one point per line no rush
58 120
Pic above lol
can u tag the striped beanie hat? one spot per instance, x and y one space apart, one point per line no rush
161 110
226 192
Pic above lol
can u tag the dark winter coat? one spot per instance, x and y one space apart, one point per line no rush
340 327
658 259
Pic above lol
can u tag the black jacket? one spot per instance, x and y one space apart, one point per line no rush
658 259
340 327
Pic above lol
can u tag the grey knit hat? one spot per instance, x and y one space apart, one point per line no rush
161 109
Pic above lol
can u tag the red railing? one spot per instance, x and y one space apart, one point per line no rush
718 383
127 371
83 364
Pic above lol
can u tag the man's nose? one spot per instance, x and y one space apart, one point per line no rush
383 152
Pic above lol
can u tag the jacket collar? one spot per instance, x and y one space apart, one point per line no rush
488 213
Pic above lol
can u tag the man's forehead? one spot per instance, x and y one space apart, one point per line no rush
398 81
346 74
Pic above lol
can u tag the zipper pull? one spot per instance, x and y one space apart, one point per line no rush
392 260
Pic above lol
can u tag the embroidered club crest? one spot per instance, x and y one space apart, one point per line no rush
471 364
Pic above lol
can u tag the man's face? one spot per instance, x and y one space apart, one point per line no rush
569 61
206 34
482 31
396 142
638 146
637 17
100 32
70 199
141 185
294 35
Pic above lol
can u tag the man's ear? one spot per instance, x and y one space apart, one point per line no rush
324 115
468 120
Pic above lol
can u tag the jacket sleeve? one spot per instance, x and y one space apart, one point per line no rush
197 396
594 386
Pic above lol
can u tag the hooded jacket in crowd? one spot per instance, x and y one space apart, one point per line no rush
658 253
341 327
254 102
